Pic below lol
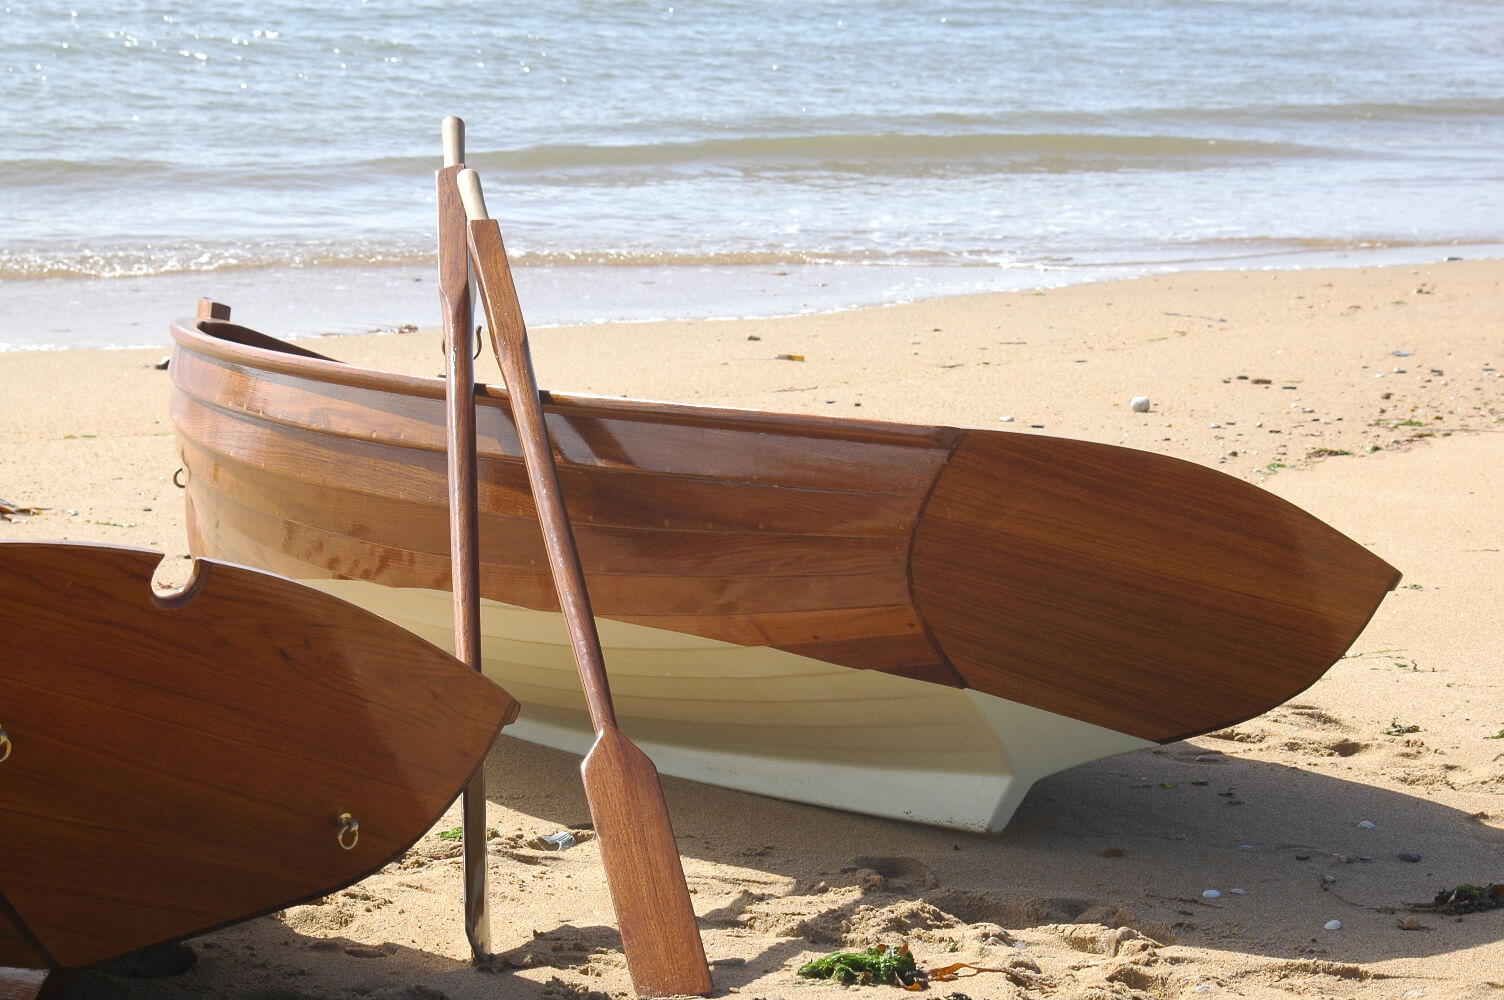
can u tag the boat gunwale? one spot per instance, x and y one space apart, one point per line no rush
198 336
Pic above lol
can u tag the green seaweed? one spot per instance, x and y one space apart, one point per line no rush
879 964
1465 898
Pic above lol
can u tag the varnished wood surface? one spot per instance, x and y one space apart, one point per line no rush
464 538
1169 599
753 533
659 933
812 535
179 763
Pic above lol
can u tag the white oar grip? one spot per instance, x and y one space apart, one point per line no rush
470 194
453 131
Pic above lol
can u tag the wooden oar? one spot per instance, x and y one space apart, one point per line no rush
464 532
176 763
658 932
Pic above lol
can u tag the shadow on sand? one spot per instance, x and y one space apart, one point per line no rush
1132 841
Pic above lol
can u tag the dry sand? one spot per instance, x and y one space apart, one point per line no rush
1289 379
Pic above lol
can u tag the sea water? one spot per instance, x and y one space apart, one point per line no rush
722 158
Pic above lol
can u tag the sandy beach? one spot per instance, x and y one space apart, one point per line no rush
1372 397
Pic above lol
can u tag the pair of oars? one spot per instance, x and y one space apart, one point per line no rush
660 938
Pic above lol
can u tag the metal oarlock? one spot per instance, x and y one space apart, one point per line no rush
4 745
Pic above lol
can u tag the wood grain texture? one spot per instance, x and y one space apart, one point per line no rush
1134 591
181 762
1131 590
660 937
693 516
464 526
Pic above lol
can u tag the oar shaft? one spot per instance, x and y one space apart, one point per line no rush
509 333
459 373
464 529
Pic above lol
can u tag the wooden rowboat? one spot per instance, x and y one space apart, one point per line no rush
909 621
174 763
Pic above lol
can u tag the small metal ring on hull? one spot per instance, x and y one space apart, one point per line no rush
349 832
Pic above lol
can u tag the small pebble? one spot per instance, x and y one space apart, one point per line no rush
1410 924
1334 925
1302 857
1410 856
1212 894
1237 892
1245 847
1367 824
1140 404
1343 859
1006 420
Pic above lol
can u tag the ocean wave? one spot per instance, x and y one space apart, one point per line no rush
149 261
893 153
153 262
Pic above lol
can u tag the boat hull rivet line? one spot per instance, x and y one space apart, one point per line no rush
349 832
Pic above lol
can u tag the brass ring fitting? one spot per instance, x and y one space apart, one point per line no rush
349 832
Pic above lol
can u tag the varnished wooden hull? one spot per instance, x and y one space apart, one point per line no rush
785 594
174 764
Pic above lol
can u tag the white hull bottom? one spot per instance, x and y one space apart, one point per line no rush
766 721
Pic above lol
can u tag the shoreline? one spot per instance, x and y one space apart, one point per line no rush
1286 378
64 313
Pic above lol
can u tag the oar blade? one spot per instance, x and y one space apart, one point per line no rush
665 956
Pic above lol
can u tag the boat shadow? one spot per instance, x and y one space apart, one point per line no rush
1130 841
266 960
